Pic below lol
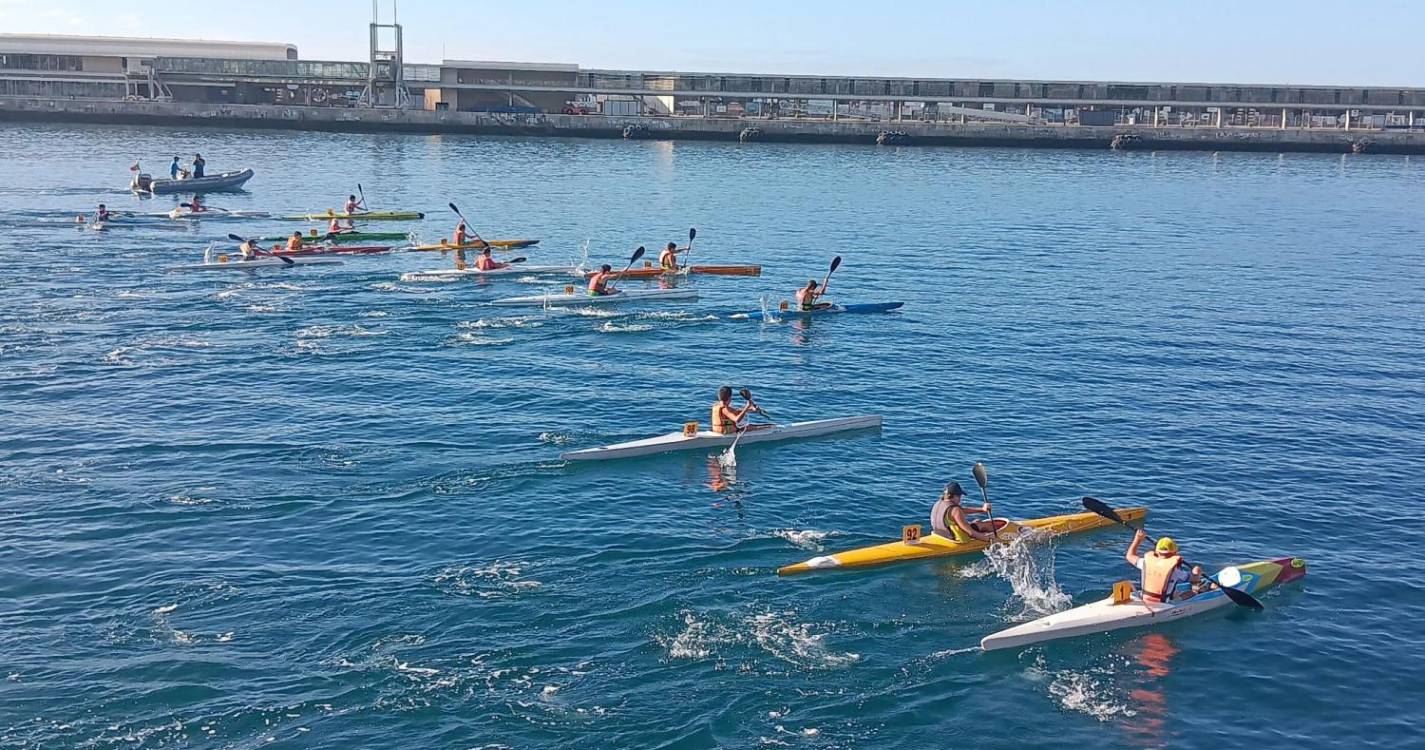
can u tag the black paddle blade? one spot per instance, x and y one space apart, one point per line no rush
636 255
1100 507
285 259
692 233
1241 598
745 394
455 209
835 263
518 260
982 477
185 205
235 238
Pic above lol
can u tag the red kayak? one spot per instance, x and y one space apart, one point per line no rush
334 250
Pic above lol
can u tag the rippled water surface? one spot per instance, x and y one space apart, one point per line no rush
323 508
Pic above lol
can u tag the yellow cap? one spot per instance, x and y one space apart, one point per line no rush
1167 546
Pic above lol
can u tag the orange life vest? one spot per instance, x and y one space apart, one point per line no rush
486 263
335 226
294 244
352 207
720 423
460 235
1158 576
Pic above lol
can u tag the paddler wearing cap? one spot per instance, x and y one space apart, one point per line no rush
1165 576
727 420
949 520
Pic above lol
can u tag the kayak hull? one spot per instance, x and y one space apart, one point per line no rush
254 265
208 184
862 308
580 300
215 215
362 216
343 238
653 272
1105 616
677 441
497 244
454 274
934 546
311 250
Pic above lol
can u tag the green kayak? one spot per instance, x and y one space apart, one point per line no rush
342 238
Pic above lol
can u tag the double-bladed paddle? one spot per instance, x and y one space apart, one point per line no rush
1238 596
729 456
835 264
692 234
982 478
468 225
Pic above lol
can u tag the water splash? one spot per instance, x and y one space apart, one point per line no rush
1027 564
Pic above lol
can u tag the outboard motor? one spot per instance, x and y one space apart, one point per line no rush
143 182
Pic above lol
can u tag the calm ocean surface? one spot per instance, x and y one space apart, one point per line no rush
322 508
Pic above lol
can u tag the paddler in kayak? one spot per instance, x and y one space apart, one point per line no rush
599 286
487 263
249 250
948 517
352 208
1165 576
727 420
808 295
294 243
668 259
103 214
196 206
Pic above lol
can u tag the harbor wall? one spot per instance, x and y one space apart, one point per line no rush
334 119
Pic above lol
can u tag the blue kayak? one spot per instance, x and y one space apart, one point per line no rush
868 307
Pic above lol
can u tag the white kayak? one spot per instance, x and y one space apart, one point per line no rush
214 213
452 274
580 298
1106 614
679 441
253 265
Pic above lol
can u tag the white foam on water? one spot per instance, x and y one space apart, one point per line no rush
1090 691
190 500
119 356
624 328
808 539
332 331
556 438
497 579
475 339
773 633
493 323
779 635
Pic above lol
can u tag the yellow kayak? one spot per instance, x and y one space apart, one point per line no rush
934 545
444 245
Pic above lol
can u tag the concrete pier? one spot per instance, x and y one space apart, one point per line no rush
1132 137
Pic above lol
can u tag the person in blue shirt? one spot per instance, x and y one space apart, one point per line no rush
198 165
173 169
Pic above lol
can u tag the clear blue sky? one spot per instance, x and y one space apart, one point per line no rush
1374 42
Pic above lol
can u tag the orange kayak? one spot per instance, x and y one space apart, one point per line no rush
652 271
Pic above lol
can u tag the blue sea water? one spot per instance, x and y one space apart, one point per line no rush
323 508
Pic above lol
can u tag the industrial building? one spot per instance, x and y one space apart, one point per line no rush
108 68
